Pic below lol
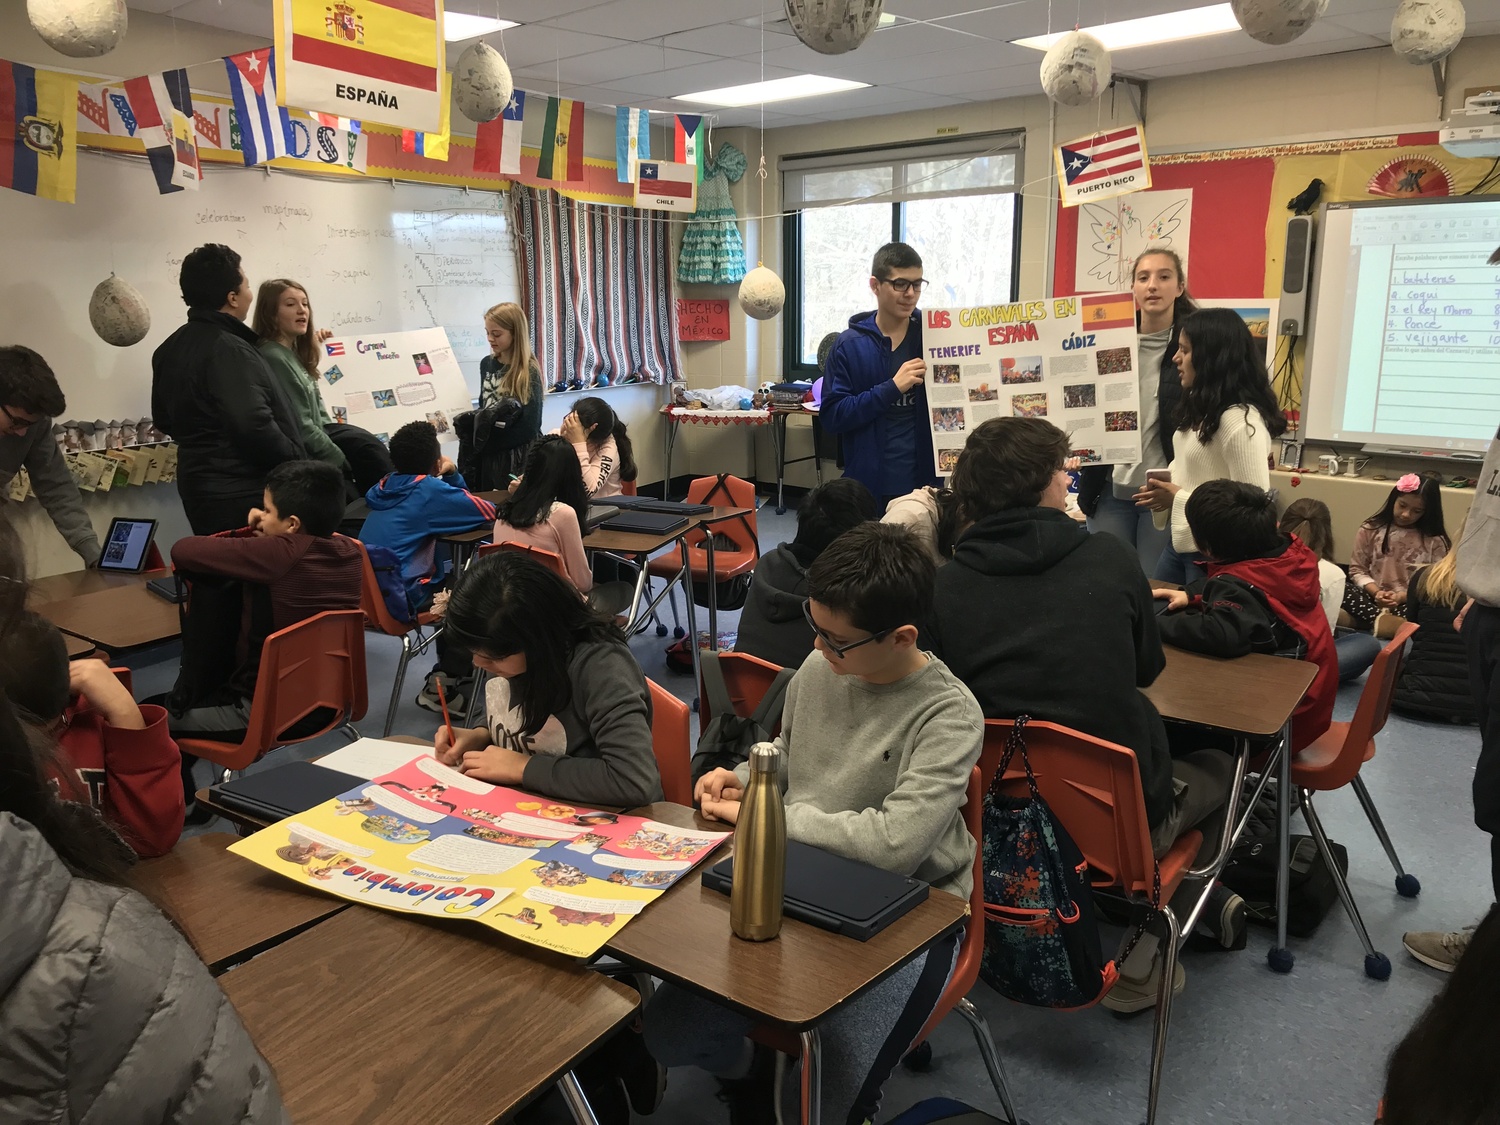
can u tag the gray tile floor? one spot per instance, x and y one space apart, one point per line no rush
1247 1045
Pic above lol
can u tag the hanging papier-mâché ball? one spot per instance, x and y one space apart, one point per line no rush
832 27
119 313
1276 21
762 294
1076 69
1425 31
482 84
81 29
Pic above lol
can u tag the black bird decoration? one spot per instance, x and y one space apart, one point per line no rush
1304 201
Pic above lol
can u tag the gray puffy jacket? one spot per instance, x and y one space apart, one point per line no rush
106 1014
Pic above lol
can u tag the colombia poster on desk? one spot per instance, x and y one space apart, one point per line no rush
1071 361
382 381
426 839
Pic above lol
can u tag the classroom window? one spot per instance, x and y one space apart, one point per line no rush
956 203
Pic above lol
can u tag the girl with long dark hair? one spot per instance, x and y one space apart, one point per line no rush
603 446
1226 420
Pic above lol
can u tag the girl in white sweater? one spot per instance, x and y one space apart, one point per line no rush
1225 423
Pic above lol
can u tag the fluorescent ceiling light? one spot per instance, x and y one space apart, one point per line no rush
886 19
775 90
1168 28
458 26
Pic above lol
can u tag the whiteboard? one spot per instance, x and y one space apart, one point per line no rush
374 257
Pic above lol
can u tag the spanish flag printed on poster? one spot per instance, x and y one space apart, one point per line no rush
1114 310
38 150
379 61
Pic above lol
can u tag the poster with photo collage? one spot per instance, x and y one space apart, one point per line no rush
1071 360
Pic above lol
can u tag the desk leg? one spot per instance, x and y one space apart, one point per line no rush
778 439
713 589
692 612
812 1076
578 1105
1280 958
817 428
667 442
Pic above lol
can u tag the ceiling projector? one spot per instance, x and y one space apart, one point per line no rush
1475 129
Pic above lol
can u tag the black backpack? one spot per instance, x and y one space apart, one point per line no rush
726 741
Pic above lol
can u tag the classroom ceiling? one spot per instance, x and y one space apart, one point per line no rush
938 53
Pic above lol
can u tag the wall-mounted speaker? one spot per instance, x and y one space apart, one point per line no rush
1295 271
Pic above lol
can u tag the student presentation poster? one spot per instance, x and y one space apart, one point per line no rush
381 381
426 839
1071 361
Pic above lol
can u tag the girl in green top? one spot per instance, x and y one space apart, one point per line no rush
289 343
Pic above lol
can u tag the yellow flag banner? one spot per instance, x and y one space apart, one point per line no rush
370 60
38 151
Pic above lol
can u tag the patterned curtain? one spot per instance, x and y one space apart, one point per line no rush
597 284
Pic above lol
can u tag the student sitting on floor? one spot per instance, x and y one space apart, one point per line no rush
113 755
1434 681
877 742
1040 618
1261 595
567 713
285 566
425 498
772 626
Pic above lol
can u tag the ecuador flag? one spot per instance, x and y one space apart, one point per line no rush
562 142
434 146
38 153
1114 310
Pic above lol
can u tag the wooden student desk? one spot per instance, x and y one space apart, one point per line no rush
381 1018
229 908
794 982
113 611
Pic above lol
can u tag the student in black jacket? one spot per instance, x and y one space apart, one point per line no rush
213 394
1434 681
1038 617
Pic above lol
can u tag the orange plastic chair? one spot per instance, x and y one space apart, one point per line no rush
550 559
955 993
1094 790
748 678
743 533
315 664
672 742
378 618
1333 761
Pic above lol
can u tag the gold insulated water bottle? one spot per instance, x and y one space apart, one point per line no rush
759 851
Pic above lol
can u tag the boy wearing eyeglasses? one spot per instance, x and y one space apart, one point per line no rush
877 742
874 389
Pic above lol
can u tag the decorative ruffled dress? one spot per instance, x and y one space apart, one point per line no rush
712 250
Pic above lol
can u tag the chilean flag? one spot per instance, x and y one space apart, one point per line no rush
265 127
497 143
666 179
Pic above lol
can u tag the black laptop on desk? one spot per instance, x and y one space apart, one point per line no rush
645 523
598 513
651 504
283 791
833 893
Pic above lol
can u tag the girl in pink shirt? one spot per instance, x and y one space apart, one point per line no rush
549 509
603 446
1405 535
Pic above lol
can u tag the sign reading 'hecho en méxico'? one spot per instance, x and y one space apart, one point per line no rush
702 320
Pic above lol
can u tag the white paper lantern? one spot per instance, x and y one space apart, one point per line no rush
482 84
1425 31
1276 21
119 313
1076 69
832 27
81 29
762 294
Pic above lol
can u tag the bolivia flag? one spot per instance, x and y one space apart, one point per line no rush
1116 310
562 142
38 110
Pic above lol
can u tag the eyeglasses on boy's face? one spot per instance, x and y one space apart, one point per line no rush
832 645
905 284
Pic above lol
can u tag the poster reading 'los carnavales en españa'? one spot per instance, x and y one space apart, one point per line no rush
427 839
1071 361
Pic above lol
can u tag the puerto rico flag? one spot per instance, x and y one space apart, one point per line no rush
157 101
1102 165
335 348
264 125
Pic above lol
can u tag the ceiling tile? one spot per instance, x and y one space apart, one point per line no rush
628 60
253 17
979 83
523 11
650 19
535 44
730 40
690 79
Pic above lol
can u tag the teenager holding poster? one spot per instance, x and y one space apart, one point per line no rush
874 393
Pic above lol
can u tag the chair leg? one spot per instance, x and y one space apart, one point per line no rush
474 710
390 711
990 1056
812 1077
351 732
573 1096
1407 886
1377 964
1171 939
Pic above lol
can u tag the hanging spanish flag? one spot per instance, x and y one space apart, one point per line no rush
370 60
434 146
38 109
562 142
688 143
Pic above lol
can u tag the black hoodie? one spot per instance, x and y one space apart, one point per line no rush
771 625
1038 617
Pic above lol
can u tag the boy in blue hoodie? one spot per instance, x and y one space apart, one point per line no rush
874 393
424 498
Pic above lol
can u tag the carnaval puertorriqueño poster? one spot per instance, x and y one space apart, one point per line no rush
426 839
381 381
1071 361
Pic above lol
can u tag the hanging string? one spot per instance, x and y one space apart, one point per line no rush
760 171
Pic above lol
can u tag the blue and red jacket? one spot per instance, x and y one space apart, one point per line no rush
408 513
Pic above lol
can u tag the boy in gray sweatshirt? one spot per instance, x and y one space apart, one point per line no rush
877 742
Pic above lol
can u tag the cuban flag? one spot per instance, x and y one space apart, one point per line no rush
497 143
265 127
158 101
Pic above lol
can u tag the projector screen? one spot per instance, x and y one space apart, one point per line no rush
1404 347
